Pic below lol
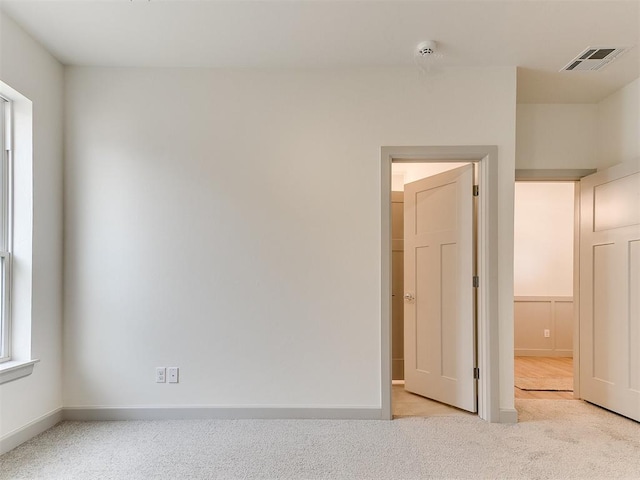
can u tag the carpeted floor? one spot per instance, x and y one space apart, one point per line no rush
555 439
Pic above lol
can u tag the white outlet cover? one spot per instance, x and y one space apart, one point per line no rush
173 374
161 376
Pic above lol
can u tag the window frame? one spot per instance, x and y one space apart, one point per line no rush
6 237
19 220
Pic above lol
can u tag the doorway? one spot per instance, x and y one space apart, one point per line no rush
544 238
424 394
606 318
487 292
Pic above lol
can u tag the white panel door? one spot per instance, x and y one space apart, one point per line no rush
439 321
610 289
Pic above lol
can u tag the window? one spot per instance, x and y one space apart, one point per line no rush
16 234
5 229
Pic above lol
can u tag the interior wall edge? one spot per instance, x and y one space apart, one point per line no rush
553 174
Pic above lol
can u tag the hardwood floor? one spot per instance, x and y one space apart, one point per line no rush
540 367
543 367
407 404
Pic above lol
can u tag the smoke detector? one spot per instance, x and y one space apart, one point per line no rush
426 57
426 48
594 58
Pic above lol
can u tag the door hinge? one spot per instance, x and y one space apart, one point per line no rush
476 281
476 190
476 373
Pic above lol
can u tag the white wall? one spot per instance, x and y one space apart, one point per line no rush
596 135
557 136
28 68
561 136
619 126
228 222
543 268
543 239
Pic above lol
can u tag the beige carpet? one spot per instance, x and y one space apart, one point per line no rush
555 439
549 384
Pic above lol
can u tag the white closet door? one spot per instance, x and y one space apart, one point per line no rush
610 289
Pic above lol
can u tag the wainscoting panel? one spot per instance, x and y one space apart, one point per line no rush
534 315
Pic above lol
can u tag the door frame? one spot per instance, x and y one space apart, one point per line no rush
567 175
486 158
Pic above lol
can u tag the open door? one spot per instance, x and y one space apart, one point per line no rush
439 323
610 289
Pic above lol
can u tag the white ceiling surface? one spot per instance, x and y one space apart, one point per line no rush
541 37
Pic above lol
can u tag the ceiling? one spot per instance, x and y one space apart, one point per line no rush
540 37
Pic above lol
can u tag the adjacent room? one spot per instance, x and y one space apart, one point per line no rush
317 239
544 238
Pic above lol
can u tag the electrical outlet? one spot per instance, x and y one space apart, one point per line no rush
161 376
172 373
547 333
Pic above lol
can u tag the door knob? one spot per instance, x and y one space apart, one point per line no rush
409 297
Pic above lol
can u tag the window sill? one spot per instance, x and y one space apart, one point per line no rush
13 370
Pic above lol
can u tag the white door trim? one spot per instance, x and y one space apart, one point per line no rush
488 349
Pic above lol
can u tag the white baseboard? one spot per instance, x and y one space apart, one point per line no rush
508 415
12 439
226 413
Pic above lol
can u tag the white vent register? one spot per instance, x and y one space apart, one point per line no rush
594 58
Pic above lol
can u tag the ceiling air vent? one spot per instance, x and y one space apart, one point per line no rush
594 58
